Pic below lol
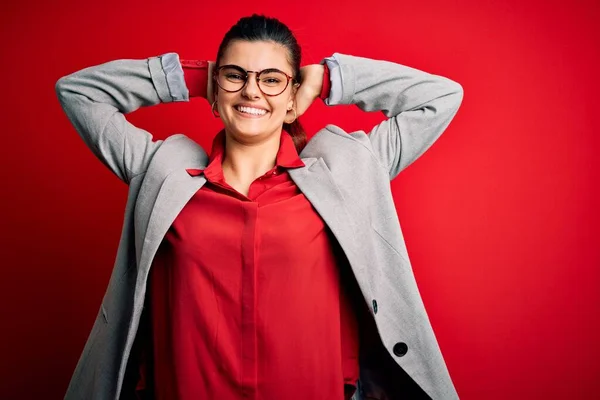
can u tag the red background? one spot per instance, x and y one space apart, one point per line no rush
500 215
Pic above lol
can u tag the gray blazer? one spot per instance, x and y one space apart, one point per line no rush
346 178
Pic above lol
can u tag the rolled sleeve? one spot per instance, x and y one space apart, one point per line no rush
174 77
335 77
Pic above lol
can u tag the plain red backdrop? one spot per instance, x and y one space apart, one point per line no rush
500 215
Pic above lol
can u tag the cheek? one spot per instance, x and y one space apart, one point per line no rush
280 108
224 99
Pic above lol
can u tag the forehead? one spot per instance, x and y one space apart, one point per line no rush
256 56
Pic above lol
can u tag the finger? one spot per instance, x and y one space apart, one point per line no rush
210 83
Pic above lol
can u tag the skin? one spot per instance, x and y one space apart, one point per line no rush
251 144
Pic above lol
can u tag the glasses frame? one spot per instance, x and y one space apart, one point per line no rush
247 76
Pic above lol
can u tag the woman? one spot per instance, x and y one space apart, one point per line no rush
273 268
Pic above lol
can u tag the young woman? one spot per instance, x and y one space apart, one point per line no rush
272 268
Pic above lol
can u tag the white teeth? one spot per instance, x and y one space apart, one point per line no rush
250 110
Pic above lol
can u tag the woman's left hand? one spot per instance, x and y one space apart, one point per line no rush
311 77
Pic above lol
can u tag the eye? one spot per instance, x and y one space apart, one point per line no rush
234 77
271 80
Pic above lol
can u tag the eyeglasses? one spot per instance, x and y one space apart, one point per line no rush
271 81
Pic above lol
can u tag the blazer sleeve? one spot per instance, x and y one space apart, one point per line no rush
419 105
96 98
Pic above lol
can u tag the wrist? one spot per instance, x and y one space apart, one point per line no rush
196 77
313 80
325 83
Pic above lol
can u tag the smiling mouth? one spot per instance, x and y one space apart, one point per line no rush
251 111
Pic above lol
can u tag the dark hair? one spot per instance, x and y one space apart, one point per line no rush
261 28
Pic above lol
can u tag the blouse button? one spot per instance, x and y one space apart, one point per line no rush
374 306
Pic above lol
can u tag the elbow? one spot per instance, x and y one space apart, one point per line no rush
60 87
65 90
453 97
66 84
460 90
451 94
65 93
458 93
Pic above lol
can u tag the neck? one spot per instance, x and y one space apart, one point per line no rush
246 161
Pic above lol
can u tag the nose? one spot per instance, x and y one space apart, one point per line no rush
251 89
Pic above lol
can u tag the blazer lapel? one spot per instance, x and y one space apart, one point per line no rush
166 177
314 181
176 190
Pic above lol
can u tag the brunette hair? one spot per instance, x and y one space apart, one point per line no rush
261 28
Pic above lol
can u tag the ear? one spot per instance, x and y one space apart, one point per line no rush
293 95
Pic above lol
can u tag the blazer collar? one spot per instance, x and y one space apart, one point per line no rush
314 180
163 197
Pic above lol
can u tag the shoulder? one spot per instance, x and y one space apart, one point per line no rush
332 141
180 150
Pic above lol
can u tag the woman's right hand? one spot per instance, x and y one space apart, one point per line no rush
210 83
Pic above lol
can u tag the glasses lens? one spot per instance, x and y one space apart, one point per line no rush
231 79
273 82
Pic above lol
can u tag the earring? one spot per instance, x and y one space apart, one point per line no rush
295 115
214 111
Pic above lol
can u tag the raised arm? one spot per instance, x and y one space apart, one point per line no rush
419 105
96 98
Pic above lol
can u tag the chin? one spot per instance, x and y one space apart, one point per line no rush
247 131
250 129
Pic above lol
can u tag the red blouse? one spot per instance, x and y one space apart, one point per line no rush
245 296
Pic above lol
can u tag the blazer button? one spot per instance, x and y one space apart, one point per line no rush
374 306
400 349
